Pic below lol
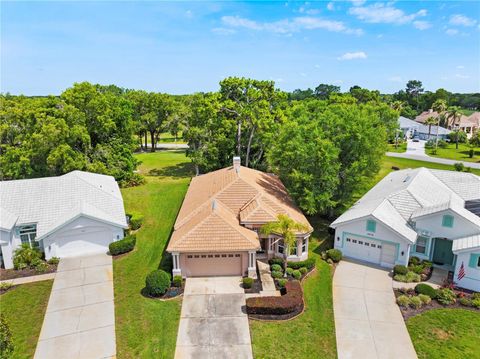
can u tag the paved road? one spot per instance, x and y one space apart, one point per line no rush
213 323
80 318
368 322
432 159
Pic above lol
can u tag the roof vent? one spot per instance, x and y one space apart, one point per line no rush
214 205
236 163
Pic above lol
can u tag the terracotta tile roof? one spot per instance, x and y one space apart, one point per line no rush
218 202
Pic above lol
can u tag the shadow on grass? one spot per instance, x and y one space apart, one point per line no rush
322 233
181 170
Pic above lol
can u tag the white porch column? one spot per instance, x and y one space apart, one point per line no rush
252 264
270 245
176 264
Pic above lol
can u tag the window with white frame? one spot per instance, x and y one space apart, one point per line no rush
304 245
28 235
421 245
280 247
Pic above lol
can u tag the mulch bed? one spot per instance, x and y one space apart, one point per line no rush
6 274
277 317
256 286
171 293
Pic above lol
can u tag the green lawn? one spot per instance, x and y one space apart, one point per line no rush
147 328
446 333
24 307
462 154
401 147
311 335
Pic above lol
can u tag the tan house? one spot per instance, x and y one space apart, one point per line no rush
469 124
217 228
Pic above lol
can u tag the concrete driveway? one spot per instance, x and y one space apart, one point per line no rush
213 323
416 148
368 322
80 318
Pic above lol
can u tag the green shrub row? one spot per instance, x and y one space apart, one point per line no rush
425 289
407 278
122 246
135 220
308 263
335 255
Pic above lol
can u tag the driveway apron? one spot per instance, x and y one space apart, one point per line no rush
213 322
80 318
368 322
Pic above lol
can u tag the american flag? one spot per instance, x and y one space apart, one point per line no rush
461 272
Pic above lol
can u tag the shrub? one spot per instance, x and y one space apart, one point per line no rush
303 270
425 289
403 300
276 268
291 302
54 261
281 282
427 264
335 255
26 257
417 269
476 303
415 302
247 282
136 220
289 270
157 283
6 342
414 261
5 286
278 261
177 281
122 246
309 263
276 274
296 274
459 166
465 301
41 266
400 269
446 296
425 298
476 295
410 277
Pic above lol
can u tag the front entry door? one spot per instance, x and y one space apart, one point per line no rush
442 254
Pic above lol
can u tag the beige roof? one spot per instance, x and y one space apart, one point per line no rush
218 203
426 114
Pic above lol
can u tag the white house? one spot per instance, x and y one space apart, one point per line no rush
74 214
431 214
412 128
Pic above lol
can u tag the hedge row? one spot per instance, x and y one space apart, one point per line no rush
290 302
122 246
135 220
309 263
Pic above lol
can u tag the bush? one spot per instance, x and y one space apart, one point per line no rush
425 298
6 342
400 269
335 255
476 303
136 220
403 300
53 261
417 269
303 270
276 274
41 266
410 277
476 295
278 261
157 283
276 268
122 246
247 282
5 286
177 281
427 264
459 166
26 257
296 274
414 261
282 282
446 296
309 263
289 270
416 302
425 289
466 302
291 302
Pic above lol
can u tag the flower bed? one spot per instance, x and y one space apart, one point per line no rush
295 271
417 271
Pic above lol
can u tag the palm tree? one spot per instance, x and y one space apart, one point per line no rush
430 121
286 228
439 106
454 114
398 106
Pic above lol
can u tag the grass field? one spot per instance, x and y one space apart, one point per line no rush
24 307
401 147
311 335
462 154
446 333
147 328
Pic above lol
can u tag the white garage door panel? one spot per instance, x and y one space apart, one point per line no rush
389 252
84 243
204 265
363 249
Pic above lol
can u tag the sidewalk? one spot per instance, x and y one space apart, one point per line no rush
31 279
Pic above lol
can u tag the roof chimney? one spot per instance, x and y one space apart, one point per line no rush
236 163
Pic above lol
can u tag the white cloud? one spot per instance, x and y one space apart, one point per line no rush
451 32
317 66
358 2
460 76
384 13
223 31
460 67
353 56
462 20
422 25
330 6
189 14
395 79
286 26
303 74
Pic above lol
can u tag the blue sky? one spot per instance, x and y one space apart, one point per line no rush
184 47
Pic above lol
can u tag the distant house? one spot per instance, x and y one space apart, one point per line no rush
430 214
74 214
217 228
468 124
412 128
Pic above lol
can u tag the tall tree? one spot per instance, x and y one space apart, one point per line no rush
323 91
453 116
414 89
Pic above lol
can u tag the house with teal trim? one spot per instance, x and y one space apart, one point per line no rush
430 214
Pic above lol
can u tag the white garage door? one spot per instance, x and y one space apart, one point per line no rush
84 243
389 252
204 265
370 250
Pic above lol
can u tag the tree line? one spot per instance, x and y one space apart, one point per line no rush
322 143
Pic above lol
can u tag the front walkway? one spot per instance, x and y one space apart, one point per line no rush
368 322
213 322
80 318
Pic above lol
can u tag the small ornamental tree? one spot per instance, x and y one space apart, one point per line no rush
6 343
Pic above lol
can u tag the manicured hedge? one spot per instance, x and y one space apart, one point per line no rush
400 269
278 261
290 302
122 246
335 255
309 263
425 289
136 220
247 282
157 283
